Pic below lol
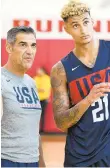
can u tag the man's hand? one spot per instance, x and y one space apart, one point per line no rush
98 91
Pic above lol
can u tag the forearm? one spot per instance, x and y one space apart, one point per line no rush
67 118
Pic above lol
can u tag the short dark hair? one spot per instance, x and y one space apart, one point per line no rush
11 34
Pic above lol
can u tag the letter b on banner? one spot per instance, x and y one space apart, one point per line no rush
20 23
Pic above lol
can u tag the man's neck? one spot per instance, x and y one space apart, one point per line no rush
87 53
87 50
14 70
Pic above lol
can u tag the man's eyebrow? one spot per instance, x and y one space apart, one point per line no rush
74 22
22 42
77 21
85 19
34 44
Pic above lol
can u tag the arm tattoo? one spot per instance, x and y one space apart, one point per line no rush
60 69
59 101
64 116
59 73
55 82
68 118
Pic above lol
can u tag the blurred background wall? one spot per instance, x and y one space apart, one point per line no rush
52 42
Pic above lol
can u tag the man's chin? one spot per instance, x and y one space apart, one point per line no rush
27 67
86 41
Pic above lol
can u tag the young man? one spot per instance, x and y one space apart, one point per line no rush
81 92
20 144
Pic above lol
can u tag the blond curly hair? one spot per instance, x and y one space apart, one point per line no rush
74 8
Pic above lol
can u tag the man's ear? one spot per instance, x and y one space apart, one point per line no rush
8 47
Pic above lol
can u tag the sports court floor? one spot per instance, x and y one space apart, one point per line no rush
53 148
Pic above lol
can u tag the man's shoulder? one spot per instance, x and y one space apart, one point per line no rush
5 79
107 42
29 78
58 72
59 64
3 73
67 56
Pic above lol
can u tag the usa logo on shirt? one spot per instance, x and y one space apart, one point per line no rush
27 99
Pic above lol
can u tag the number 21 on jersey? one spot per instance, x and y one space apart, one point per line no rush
102 105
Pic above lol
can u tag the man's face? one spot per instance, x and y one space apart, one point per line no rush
80 28
23 51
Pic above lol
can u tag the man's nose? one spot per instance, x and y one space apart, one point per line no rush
83 30
29 50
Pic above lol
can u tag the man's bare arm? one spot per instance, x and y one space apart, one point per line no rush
65 116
